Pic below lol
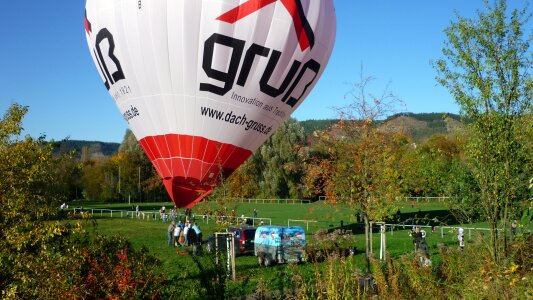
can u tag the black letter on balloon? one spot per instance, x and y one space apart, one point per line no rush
311 65
272 63
254 50
118 74
226 77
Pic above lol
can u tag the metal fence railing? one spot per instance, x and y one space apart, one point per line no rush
156 215
254 221
272 201
427 199
303 221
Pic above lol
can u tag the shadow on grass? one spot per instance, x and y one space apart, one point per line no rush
406 220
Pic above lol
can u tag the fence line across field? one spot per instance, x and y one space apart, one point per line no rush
305 221
442 228
439 199
152 215
272 201
417 199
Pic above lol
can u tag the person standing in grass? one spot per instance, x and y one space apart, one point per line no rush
186 231
181 240
177 230
461 238
198 231
170 232
417 238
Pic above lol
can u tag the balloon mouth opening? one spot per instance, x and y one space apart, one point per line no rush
186 193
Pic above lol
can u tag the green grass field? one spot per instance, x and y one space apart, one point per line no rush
151 234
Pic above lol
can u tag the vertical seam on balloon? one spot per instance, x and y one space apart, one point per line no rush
139 129
196 91
219 129
161 82
184 96
132 77
152 118
195 99
174 128
167 100
152 135
225 104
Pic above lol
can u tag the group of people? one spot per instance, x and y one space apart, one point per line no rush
184 234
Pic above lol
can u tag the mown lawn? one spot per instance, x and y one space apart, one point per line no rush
178 265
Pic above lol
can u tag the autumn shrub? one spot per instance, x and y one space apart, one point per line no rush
327 243
71 265
44 257
337 278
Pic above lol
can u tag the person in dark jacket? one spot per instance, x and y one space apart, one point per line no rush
417 238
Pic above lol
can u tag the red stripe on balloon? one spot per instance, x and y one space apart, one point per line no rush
191 166
304 31
298 21
244 10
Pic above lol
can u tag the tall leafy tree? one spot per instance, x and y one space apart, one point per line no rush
486 66
138 176
26 172
244 182
430 165
282 157
276 169
365 162
100 179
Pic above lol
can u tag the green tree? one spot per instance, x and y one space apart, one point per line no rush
430 165
68 170
275 169
43 258
486 68
137 175
100 179
365 165
244 182
282 158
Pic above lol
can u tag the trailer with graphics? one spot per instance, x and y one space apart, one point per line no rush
279 244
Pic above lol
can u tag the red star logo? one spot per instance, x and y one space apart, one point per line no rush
306 37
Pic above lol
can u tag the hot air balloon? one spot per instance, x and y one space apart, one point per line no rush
203 83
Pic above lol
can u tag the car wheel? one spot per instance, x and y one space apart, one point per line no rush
260 259
268 260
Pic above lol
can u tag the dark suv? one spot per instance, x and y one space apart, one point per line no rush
243 240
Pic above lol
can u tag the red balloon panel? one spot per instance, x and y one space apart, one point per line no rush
191 166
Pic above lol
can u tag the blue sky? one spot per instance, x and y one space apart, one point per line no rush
45 63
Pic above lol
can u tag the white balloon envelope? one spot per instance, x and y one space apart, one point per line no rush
203 83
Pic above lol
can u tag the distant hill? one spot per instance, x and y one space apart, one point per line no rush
422 126
95 148
311 125
419 126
